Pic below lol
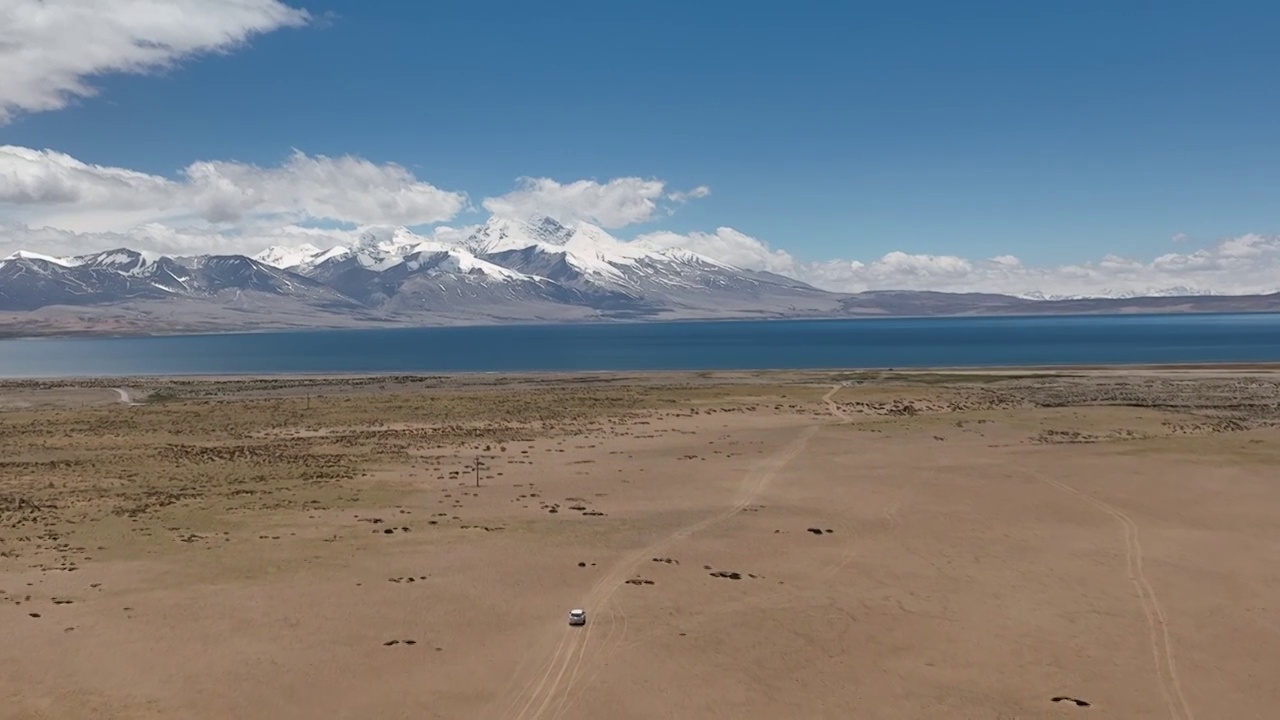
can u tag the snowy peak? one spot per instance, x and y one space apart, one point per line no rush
336 251
382 241
380 248
587 240
283 256
461 262
504 234
398 252
523 268
583 249
28 255
1177 291
377 247
506 248
121 260
680 255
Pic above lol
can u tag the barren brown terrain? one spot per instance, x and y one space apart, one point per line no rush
1087 543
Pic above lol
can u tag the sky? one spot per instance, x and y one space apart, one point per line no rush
1082 148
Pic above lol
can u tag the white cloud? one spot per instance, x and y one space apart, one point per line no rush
451 235
614 204
346 189
156 237
43 187
1243 265
55 204
685 196
164 239
726 245
50 50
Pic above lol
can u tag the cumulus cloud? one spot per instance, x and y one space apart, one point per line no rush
1243 265
179 241
52 49
53 203
347 189
43 187
726 245
157 237
685 196
614 204
452 235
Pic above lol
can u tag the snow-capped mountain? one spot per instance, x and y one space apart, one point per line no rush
32 280
284 257
394 270
506 271
121 260
29 281
1177 291
543 260
587 258
28 255
583 251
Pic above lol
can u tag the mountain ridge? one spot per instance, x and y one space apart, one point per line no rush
507 271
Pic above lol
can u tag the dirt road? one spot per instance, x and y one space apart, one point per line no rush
548 690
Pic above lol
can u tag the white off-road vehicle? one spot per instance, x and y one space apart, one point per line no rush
577 617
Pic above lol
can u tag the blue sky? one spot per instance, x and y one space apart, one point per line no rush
1057 133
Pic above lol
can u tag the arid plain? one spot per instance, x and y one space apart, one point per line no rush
765 545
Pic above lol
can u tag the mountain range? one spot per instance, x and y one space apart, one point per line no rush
507 271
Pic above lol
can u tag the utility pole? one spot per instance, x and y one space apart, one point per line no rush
477 471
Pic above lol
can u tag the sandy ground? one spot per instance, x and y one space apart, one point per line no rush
817 545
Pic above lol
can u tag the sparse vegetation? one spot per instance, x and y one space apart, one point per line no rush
356 498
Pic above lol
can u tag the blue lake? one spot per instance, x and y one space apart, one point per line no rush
816 344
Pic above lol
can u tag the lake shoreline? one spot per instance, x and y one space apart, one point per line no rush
15 331
815 374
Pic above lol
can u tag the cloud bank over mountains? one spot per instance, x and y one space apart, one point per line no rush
55 204
43 187
1244 265
50 202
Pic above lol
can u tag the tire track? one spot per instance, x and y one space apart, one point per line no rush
617 617
834 407
611 645
1157 621
557 676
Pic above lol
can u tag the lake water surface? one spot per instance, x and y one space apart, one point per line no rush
753 345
